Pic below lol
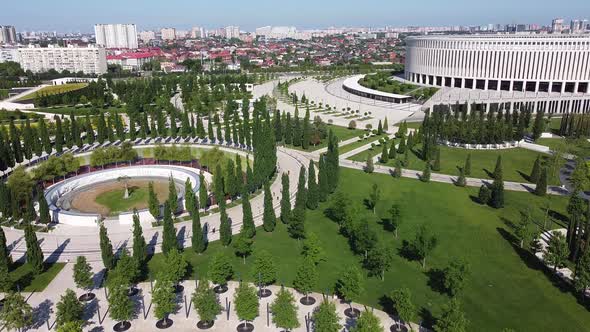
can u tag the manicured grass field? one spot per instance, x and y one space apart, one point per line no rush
24 277
114 199
580 147
54 89
358 144
517 163
342 133
508 287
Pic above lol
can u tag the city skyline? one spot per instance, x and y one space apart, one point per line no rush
305 14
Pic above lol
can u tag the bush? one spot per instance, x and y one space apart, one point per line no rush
352 124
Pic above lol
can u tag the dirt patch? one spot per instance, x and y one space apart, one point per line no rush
85 201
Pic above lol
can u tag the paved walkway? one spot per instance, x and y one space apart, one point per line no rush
185 317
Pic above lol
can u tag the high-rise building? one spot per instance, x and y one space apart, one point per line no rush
116 35
557 25
168 33
578 26
7 34
90 60
197 32
147 36
231 32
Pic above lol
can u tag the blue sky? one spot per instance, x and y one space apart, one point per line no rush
81 15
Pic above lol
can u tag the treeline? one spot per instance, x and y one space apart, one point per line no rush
172 153
113 154
56 166
95 93
299 132
574 125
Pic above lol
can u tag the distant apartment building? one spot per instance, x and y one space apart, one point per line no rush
168 33
147 36
130 60
197 32
281 32
89 60
7 34
557 25
9 54
231 32
116 35
578 26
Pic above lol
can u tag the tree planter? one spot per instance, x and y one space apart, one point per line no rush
220 289
164 323
265 292
245 327
307 300
87 297
132 291
398 328
352 312
122 326
178 289
203 325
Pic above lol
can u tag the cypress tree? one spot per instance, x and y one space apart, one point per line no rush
332 162
536 171
172 195
369 167
288 130
44 134
384 154
398 169
59 135
224 226
312 188
106 249
379 128
461 181
402 145
497 194
498 168
301 196
210 133
392 150
297 134
467 167
203 195
285 199
410 142
436 166
268 218
15 139
278 126
169 240
44 216
139 244
323 190
541 188
306 135
248 227
197 237
153 204
5 257
385 125
425 177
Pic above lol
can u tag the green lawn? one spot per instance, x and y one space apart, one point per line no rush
358 144
508 287
53 90
116 203
342 133
374 151
517 163
579 147
28 282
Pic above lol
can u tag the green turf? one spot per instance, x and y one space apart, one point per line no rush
579 147
53 89
28 282
508 287
517 163
342 133
116 203
355 145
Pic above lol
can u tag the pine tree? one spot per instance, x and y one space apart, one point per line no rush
197 238
248 227
268 218
169 240
541 188
312 199
467 167
384 154
380 128
224 226
536 171
498 168
153 204
34 254
172 195
392 150
285 199
139 244
106 249
402 145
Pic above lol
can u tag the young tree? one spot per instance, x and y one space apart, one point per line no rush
169 240
367 322
306 277
224 226
69 309
557 250
350 284
461 181
71 327
203 195
374 197
384 154
424 243
484 194
392 150
206 303
153 204
6 282
106 249
220 269
521 229
5 257
83 275
243 246
395 218
175 267
265 269
16 314
285 199
284 310
497 193
325 318
467 167
268 218
197 238
379 259
402 302
452 319
127 271
541 187
455 276
536 171
164 300
246 302
312 248
369 166
34 254
139 244
397 172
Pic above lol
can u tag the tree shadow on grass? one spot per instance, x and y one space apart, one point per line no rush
559 218
436 280
525 176
407 251
488 173
428 320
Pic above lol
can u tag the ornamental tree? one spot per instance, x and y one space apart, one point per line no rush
163 298
367 322
246 302
265 270
69 309
106 249
284 310
206 302
402 302
424 243
325 318
242 246
350 284
34 254
455 276
220 269
83 274
16 313
169 240
452 318
306 276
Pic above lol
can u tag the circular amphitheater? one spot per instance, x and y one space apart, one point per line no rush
79 201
